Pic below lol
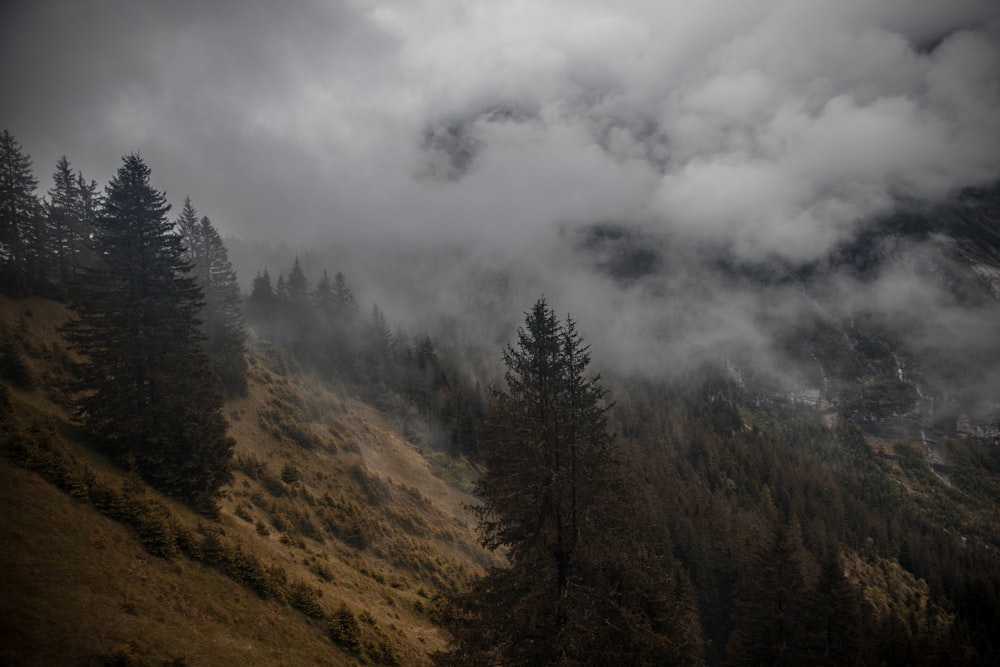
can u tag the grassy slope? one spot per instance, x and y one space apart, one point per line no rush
348 507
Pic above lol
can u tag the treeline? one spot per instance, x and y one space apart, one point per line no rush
157 326
435 403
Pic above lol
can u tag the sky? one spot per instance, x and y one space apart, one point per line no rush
772 129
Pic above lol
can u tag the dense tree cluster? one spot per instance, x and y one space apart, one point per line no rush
44 244
146 391
158 315
801 547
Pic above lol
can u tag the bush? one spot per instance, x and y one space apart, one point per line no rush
270 582
344 629
250 465
290 474
305 598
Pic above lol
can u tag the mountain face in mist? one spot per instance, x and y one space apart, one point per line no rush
896 322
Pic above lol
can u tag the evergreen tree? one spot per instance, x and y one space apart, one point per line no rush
147 393
193 249
343 298
281 291
88 204
553 499
837 615
262 296
298 288
60 211
323 294
20 216
337 335
71 213
772 609
221 316
378 350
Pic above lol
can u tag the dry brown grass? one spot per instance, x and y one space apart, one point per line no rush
76 585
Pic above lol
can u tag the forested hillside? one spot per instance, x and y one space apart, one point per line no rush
198 476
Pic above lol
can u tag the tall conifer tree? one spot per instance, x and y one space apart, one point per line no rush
20 215
71 213
147 393
222 314
582 586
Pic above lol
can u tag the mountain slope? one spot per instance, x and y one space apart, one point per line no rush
332 546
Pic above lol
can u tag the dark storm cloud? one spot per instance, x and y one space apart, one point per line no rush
776 125
768 130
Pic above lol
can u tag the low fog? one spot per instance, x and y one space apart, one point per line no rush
669 173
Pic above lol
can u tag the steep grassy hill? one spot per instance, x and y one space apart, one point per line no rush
333 544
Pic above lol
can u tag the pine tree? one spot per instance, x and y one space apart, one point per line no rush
334 343
378 353
323 294
221 316
772 608
20 216
343 298
187 227
147 393
836 615
71 213
88 204
261 303
298 288
554 501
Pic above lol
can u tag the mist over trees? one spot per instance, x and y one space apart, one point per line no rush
221 315
433 399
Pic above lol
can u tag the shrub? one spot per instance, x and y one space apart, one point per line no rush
321 571
305 598
290 474
155 527
344 629
272 484
270 582
250 465
242 512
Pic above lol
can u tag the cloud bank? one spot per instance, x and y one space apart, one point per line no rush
777 126
764 130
